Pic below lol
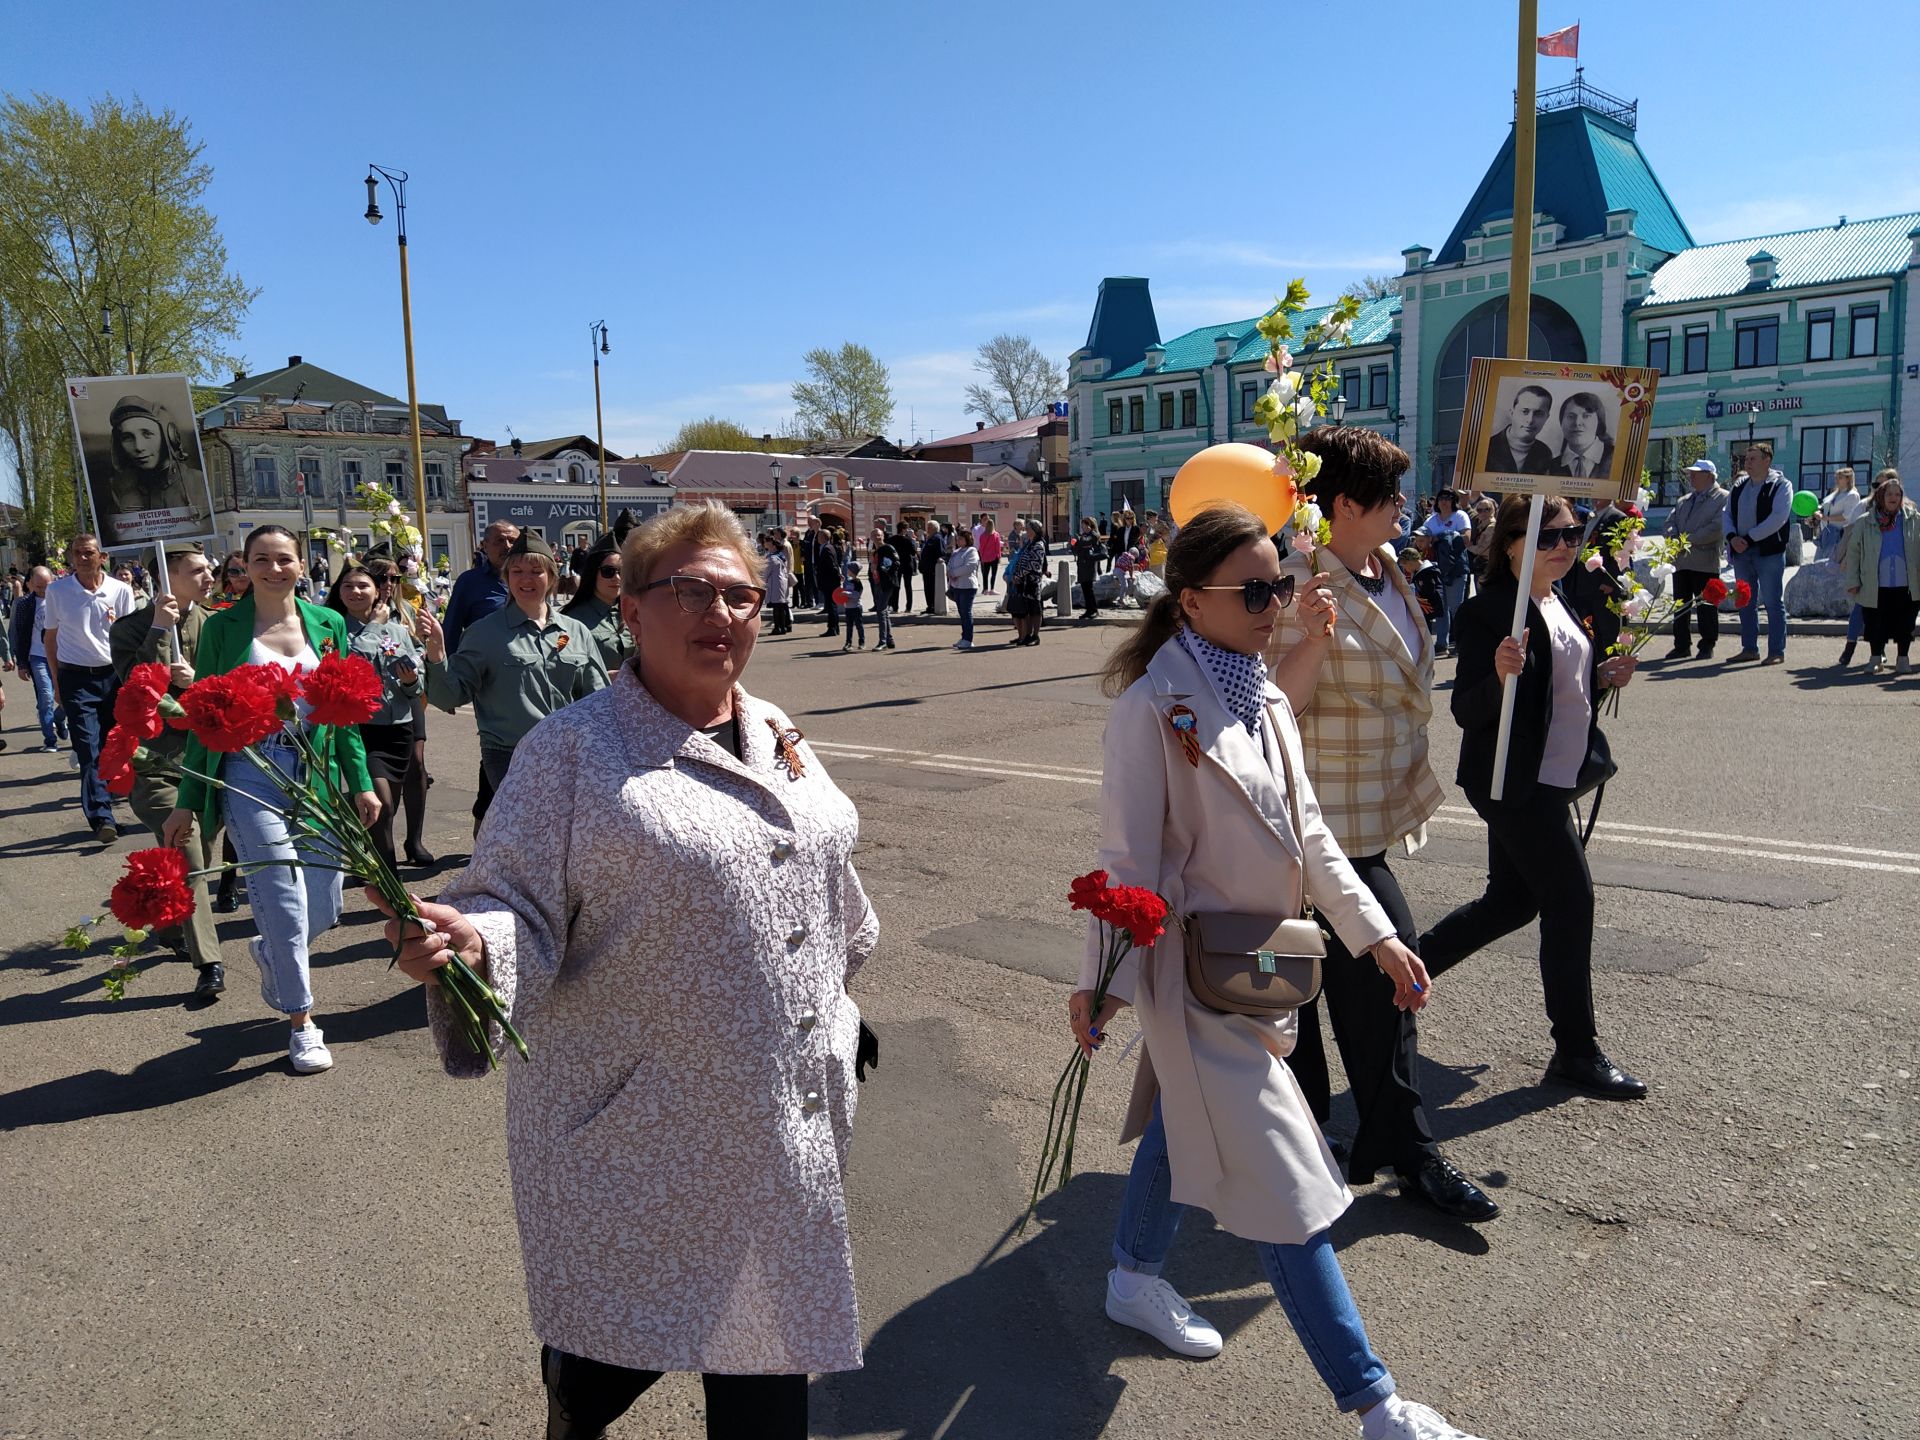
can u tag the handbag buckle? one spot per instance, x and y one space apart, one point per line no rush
1266 958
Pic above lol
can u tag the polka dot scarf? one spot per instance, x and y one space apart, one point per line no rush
1239 680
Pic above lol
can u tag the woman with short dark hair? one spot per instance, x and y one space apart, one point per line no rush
1880 566
386 642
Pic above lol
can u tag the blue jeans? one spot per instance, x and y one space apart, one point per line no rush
1306 1278
963 602
1856 625
1828 541
856 618
53 718
291 907
1452 594
86 692
1767 575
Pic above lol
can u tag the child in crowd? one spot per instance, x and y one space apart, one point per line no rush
1424 576
852 611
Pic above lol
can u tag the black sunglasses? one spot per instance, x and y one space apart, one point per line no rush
1552 535
1259 594
609 572
236 570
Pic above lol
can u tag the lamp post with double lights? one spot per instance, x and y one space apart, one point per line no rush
597 343
397 182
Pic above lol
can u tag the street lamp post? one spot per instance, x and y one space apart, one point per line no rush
126 332
597 343
397 182
773 468
1046 489
1340 408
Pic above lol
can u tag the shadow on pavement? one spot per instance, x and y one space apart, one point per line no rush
897 702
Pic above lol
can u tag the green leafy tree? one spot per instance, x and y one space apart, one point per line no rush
1020 380
712 433
848 393
105 250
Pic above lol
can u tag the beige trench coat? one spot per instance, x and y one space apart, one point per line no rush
674 930
1218 836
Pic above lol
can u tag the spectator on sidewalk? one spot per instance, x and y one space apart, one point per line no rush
884 563
1758 512
990 545
963 579
1447 531
933 559
30 656
1839 510
779 563
1880 561
80 610
1089 550
1701 516
906 550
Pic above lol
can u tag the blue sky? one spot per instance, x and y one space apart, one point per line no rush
729 184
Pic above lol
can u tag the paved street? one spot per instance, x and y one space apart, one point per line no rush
195 1243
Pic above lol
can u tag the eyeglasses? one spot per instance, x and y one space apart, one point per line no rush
1259 594
696 596
609 572
236 570
1552 535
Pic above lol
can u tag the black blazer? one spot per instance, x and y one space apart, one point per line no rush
21 634
1479 625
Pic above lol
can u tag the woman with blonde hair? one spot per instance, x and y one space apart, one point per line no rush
678 1140
1205 800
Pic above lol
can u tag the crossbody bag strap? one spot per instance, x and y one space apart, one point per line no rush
1300 910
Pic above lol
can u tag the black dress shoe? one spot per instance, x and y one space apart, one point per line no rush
213 979
1438 1182
225 902
1595 1075
416 855
1679 652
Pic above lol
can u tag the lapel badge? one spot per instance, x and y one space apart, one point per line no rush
786 740
327 647
1185 723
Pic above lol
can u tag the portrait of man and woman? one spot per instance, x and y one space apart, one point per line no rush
1571 433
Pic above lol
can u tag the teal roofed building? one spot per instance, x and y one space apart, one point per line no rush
1807 339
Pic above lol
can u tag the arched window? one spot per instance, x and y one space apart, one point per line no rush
576 473
1552 335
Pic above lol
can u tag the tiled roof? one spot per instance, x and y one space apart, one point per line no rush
1585 164
749 470
314 384
1194 350
1012 430
547 449
1857 250
1123 321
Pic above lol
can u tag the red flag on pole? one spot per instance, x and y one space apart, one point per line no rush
1565 43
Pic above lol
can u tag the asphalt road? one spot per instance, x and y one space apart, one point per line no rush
194 1242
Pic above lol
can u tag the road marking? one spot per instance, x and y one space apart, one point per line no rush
1793 852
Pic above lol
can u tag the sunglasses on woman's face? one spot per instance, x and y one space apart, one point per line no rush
609 572
1258 595
235 571
1552 535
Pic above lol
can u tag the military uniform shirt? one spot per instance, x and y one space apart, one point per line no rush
516 671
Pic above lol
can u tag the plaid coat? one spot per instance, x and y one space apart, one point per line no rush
1365 728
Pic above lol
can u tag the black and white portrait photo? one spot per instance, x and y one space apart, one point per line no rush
145 476
1532 425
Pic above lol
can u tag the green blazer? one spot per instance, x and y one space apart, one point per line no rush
226 640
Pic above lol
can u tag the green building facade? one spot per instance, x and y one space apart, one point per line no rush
1807 339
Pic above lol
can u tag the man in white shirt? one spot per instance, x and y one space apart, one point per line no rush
80 609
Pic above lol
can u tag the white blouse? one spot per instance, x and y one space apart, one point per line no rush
1572 715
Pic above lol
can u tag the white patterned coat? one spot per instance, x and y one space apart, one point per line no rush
674 931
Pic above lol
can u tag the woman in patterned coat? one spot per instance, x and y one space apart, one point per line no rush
1356 661
675 939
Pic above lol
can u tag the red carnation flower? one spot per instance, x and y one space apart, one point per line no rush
1742 595
137 709
153 893
1714 591
1141 913
232 711
344 690
116 760
151 676
1086 890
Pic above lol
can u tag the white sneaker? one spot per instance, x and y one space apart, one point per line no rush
1405 1420
1158 1309
307 1049
269 992
963 645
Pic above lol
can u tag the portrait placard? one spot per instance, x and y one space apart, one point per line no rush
1556 428
146 480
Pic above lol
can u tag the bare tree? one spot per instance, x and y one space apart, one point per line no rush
1374 287
1021 380
849 394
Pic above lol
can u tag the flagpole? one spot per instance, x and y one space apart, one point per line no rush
1519 292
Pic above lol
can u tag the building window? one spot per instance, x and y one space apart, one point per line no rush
396 480
266 478
1127 495
1825 448
1660 351
441 550
1377 387
1866 331
1189 408
1136 414
1695 359
1166 410
1756 343
350 479
1666 460
315 474
436 480
1116 418
1249 397
1350 387
829 486
1820 335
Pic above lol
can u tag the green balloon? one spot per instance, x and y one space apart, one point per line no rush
1805 502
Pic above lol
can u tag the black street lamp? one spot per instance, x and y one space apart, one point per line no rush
397 182
597 343
773 468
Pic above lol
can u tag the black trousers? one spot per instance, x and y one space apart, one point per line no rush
1890 618
1535 867
1687 585
1379 1045
927 576
1088 570
585 1396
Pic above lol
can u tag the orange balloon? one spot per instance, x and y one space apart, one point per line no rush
1238 474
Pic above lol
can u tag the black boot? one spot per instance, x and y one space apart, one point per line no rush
224 901
1846 653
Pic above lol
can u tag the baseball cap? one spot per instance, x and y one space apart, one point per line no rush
1706 465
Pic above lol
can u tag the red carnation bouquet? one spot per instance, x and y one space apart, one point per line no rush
1131 918
235 712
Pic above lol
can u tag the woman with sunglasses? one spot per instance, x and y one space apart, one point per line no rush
597 603
389 604
1201 752
385 642
234 581
519 664
679 1138
1356 662
1536 863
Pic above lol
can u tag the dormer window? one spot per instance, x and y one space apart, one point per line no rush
1156 356
1473 250
1761 268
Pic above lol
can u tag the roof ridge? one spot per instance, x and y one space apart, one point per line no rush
1806 230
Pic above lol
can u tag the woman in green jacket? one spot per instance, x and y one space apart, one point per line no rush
291 906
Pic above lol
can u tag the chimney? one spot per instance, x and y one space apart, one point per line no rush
238 377
292 360
767 439
979 425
